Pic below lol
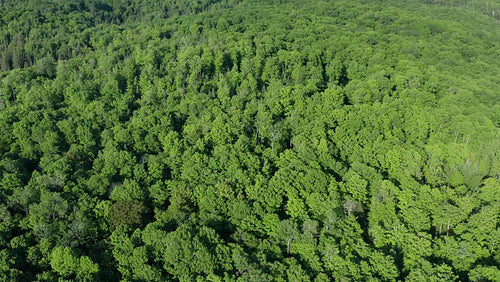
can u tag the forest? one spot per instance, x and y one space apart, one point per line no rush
250 140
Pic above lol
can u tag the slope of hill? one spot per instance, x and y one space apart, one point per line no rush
249 140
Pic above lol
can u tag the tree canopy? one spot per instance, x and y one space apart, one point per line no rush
247 140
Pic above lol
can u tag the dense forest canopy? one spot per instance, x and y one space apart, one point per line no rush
249 140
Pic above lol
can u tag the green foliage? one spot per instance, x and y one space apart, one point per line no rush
129 212
223 140
65 263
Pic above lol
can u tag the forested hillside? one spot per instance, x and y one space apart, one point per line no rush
245 140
